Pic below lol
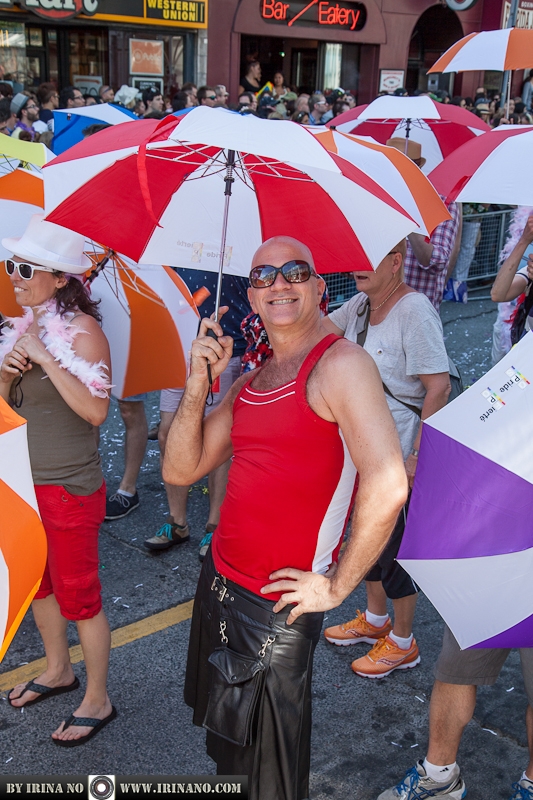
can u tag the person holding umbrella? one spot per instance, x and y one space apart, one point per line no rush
295 428
403 333
63 413
426 262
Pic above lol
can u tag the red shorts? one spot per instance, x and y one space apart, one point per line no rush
72 523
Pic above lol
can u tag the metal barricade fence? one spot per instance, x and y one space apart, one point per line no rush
481 243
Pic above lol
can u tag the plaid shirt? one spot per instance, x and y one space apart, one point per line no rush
430 280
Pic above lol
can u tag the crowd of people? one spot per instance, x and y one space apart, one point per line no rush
29 114
270 569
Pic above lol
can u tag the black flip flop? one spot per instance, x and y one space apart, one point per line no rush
95 724
44 692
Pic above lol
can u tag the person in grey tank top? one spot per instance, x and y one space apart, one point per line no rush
59 382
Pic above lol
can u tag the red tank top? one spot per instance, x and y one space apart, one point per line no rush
290 488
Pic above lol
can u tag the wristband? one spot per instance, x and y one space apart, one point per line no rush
415 452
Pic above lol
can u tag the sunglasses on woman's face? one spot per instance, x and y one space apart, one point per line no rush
24 270
292 271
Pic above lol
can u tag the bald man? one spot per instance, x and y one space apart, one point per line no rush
297 429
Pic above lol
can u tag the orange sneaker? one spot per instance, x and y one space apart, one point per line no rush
357 630
384 658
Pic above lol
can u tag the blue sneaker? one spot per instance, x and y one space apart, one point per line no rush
205 544
523 790
416 785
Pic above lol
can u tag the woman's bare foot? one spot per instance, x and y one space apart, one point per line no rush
86 709
18 697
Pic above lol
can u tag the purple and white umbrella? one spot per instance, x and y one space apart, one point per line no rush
468 542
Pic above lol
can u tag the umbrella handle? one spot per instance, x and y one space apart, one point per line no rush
209 401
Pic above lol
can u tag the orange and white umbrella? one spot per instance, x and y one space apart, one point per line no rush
21 196
137 320
500 50
391 170
22 536
150 320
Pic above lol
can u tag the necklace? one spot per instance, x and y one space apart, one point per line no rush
388 296
57 336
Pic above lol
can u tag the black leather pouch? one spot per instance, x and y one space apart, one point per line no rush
237 671
236 684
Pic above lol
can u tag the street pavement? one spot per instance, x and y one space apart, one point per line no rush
365 733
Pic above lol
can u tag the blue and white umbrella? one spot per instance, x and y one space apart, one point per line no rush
69 123
468 542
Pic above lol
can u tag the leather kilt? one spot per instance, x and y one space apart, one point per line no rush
248 680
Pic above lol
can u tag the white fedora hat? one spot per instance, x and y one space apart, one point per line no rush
50 245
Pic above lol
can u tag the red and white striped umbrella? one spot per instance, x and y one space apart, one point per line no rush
496 168
157 194
500 50
396 173
439 128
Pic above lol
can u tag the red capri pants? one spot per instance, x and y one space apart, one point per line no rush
72 523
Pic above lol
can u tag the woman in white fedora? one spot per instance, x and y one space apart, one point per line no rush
55 370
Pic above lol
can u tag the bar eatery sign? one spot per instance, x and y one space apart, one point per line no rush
185 13
343 14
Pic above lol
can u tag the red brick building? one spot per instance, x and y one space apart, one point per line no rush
356 45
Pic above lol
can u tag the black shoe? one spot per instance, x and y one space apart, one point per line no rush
118 505
153 433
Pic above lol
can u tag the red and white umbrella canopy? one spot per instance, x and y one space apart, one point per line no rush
157 194
500 50
496 168
22 536
141 307
439 128
395 172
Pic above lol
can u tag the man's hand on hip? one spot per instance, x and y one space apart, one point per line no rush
307 590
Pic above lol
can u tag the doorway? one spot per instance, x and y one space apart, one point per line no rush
436 30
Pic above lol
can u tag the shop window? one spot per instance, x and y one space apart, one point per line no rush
88 54
13 53
176 65
53 64
332 55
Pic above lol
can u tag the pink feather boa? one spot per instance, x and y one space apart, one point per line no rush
58 336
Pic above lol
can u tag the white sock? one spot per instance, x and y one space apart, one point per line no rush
436 773
375 619
525 778
126 494
404 644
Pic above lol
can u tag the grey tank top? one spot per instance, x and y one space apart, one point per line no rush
62 445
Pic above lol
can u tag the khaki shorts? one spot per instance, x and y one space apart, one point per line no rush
171 398
478 667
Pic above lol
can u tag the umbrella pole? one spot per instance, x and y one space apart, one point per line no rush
506 83
99 267
228 180
407 129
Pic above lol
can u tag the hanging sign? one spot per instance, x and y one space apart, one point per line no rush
182 13
460 5
524 14
57 9
323 13
146 57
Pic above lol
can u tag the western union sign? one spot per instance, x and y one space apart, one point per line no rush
190 11
183 13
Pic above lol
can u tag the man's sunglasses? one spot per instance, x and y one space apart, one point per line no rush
24 270
292 271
